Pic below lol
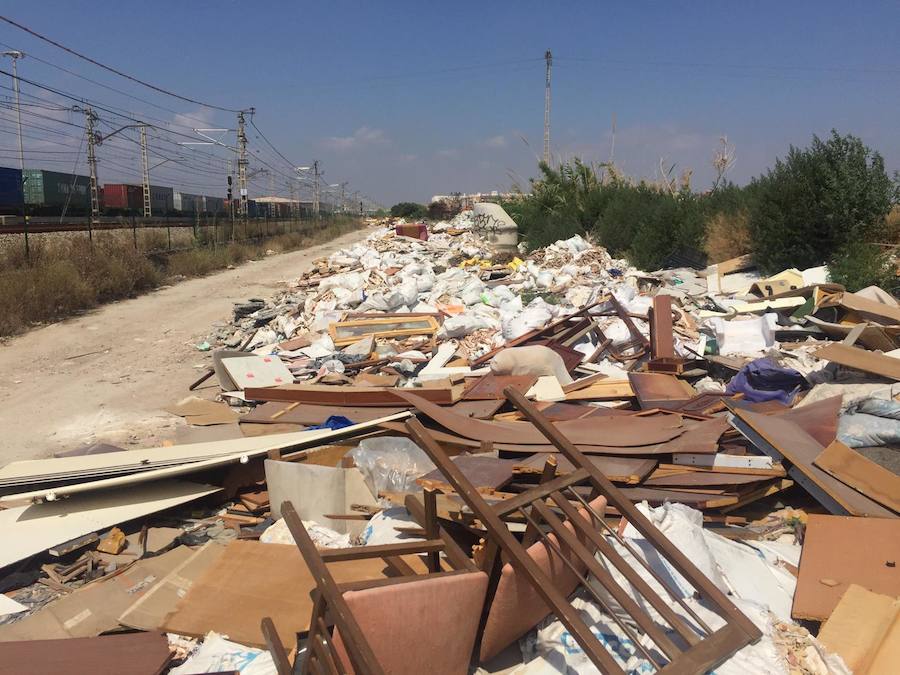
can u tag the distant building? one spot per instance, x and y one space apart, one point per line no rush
467 201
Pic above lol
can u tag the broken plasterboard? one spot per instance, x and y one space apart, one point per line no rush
28 530
722 460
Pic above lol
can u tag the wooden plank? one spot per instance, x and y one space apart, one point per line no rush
781 439
491 386
603 390
861 359
861 473
658 390
128 654
347 332
488 474
842 550
326 395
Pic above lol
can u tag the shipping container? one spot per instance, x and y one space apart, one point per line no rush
161 200
213 204
10 191
123 197
187 203
52 188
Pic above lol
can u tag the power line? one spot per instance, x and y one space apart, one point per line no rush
111 69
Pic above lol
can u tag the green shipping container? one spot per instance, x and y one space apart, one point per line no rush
52 188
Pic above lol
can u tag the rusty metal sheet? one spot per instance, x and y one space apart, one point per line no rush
491 386
613 431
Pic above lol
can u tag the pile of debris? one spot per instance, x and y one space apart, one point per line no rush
427 455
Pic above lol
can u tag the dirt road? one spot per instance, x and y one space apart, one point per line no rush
106 375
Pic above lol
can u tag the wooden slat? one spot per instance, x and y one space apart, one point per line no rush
861 473
381 550
508 506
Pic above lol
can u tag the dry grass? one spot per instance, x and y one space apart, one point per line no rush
727 236
66 275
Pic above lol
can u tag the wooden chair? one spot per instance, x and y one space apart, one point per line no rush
572 527
410 623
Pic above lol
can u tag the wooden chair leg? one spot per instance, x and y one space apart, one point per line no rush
276 647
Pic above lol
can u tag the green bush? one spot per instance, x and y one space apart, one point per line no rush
817 202
409 210
858 265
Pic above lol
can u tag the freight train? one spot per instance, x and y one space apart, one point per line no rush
51 193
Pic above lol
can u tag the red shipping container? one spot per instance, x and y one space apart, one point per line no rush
123 196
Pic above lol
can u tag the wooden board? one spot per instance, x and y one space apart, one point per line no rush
658 390
252 580
862 474
861 359
488 474
630 470
842 550
491 386
280 412
775 435
324 394
603 390
347 332
128 654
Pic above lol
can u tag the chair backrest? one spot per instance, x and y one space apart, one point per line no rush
699 647
373 619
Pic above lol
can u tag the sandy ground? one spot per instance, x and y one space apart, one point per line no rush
106 375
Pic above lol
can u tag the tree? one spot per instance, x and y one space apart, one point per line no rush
819 201
410 210
442 210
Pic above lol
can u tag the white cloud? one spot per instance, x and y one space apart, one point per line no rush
450 153
495 142
361 137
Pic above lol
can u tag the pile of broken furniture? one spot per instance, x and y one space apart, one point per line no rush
414 488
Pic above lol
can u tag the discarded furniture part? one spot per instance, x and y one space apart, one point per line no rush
657 390
627 432
602 390
861 359
872 336
839 551
861 306
127 654
864 630
323 394
662 341
862 474
412 623
32 529
702 648
414 230
785 441
347 332
280 412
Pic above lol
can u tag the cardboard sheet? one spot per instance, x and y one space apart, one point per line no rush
95 608
200 412
864 630
839 551
252 580
150 610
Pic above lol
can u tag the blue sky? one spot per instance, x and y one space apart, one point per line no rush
408 99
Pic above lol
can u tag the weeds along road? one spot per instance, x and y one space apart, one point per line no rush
107 374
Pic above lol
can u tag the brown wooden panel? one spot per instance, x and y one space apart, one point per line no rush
491 386
128 654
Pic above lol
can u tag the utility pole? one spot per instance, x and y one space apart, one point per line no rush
90 118
316 189
242 164
15 55
548 57
293 189
343 200
145 173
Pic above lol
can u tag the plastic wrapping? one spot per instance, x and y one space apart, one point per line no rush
391 463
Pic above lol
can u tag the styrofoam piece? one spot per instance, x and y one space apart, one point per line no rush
32 529
10 606
257 371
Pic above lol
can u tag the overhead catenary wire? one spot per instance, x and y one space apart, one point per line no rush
113 70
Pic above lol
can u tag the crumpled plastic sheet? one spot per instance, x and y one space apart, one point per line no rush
323 537
219 655
390 463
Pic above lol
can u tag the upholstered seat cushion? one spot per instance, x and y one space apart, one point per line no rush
425 626
517 607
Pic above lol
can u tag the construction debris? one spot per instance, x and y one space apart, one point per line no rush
436 451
